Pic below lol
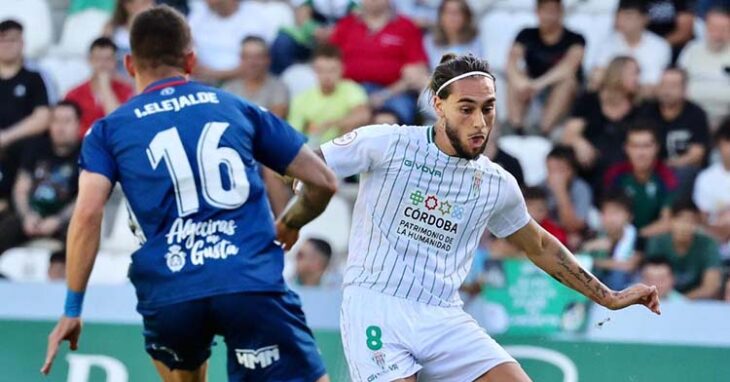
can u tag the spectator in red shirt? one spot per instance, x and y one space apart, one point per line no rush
104 91
536 199
384 52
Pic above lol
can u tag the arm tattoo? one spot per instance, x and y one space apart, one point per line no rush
581 277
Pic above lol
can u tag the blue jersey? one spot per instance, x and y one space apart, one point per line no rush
186 156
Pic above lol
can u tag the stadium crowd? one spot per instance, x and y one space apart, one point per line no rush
631 126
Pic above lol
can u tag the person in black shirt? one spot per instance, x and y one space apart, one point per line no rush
673 20
596 129
47 182
23 106
552 56
684 130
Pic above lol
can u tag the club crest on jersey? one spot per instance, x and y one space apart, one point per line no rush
379 358
175 258
346 139
167 91
476 183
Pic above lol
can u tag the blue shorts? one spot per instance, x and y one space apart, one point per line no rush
266 336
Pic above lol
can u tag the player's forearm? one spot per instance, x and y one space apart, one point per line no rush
33 124
309 204
711 282
109 100
566 213
21 189
81 247
693 157
560 263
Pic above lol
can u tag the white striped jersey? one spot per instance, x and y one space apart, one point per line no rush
419 213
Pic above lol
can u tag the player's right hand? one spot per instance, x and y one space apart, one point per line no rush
639 294
67 329
285 235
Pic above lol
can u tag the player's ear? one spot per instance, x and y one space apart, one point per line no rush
129 65
190 61
438 106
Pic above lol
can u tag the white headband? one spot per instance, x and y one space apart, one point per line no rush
469 74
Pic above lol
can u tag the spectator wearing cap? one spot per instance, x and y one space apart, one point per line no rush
692 254
684 133
707 62
335 107
649 183
569 197
544 64
45 190
631 38
711 193
384 52
104 91
24 108
614 249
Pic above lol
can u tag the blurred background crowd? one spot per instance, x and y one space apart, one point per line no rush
614 116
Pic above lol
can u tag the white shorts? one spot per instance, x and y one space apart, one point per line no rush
387 338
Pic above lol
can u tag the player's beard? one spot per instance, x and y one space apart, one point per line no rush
461 151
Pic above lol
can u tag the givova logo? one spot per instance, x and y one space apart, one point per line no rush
263 357
422 167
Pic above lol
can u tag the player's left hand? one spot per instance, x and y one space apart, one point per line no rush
287 236
67 329
639 294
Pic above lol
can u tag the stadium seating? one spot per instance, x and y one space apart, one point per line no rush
531 152
35 15
595 28
25 264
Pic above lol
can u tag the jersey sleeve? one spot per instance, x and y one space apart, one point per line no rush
275 142
510 213
359 150
96 156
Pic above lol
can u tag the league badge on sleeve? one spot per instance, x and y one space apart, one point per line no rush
175 258
346 139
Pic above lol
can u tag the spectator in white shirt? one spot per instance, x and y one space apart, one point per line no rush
218 27
707 62
631 38
711 193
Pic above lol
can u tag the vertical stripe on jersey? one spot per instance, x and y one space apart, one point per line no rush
408 244
400 200
458 193
382 216
475 235
372 226
458 243
425 263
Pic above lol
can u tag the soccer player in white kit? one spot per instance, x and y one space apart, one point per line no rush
426 195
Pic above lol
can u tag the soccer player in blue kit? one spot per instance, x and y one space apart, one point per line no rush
186 157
